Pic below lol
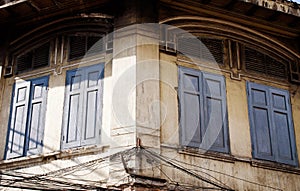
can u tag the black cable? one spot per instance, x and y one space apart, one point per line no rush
43 177
38 180
191 173
128 153
222 174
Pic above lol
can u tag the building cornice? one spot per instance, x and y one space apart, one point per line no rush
284 6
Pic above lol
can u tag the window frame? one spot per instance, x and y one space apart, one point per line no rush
33 56
200 44
202 76
265 56
28 104
100 89
274 142
86 36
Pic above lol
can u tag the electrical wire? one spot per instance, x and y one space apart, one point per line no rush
225 174
53 179
217 184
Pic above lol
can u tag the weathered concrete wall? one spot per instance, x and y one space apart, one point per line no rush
237 170
236 174
239 129
7 85
141 101
135 95
54 113
147 87
295 101
54 106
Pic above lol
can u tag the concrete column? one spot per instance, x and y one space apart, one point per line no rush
135 85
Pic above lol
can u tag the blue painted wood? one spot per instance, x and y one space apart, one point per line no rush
26 126
203 112
283 127
92 105
190 106
259 115
272 131
36 115
83 106
17 127
215 112
73 108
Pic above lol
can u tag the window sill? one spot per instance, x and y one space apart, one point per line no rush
27 161
275 166
223 157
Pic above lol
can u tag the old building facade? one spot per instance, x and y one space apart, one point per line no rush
150 95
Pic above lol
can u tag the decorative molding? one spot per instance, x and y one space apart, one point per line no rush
28 161
239 75
235 35
60 25
8 71
235 30
233 159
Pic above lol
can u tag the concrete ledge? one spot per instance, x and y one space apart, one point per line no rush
34 160
232 159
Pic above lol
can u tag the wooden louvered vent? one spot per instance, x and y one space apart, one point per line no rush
215 47
81 45
36 58
207 49
256 61
41 56
77 45
24 62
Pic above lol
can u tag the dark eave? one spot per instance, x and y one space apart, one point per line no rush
288 7
22 12
255 10
242 12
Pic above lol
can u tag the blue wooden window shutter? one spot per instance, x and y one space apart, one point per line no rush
272 131
215 110
26 126
203 112
190 106
83 106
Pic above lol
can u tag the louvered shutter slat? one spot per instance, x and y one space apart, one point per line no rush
77 46
36 58
215 48
256 61
204 48
41 56
24 62
189 47
276 68
95 44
